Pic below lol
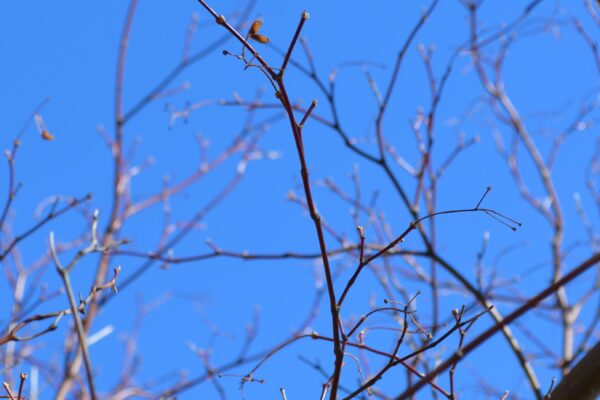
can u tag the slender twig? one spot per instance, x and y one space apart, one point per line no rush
220 20
23 377
288 54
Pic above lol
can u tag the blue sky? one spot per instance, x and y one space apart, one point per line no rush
67 51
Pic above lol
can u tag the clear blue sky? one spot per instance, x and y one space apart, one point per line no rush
67 51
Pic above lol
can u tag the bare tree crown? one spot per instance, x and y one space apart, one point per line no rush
391 201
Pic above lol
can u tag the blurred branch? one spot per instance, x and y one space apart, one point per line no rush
52 214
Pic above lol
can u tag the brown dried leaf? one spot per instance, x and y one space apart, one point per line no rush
260 38
255 27
47 135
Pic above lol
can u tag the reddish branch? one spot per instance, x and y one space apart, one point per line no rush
278 80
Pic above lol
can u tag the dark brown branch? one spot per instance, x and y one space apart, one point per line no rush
582 381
